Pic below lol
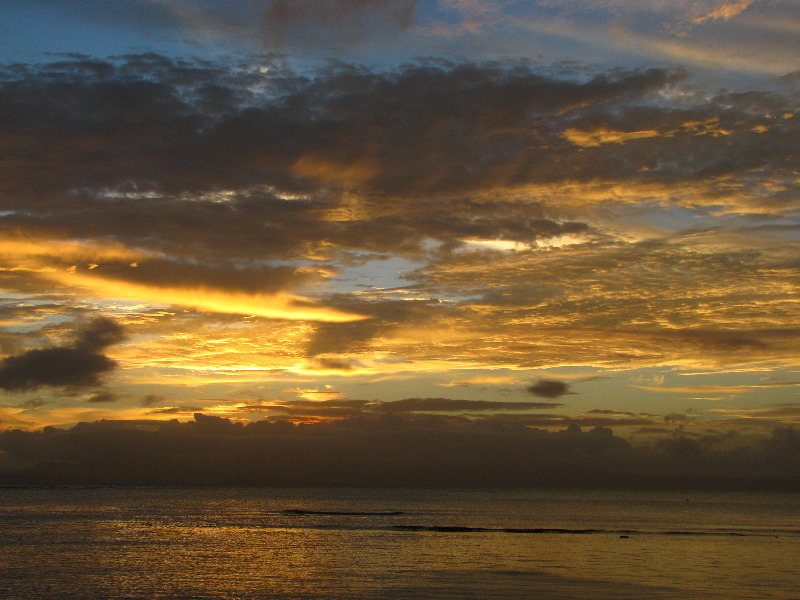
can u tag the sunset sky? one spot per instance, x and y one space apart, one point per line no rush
532 212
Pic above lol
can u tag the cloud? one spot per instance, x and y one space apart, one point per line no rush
786 412
275 305
151 399
717 389
483 215
453 405
601 411
343 22
333 364
703 32
549 388
392 449
103 397
268 140
98 334
78 365
224 152
724 11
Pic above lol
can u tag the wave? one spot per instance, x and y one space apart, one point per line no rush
435 528
339 513
623 533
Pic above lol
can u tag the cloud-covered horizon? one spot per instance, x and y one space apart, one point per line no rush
390 450
523 215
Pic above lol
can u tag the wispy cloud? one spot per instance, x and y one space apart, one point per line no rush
725 11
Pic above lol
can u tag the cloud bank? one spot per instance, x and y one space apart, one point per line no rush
390 450
253 223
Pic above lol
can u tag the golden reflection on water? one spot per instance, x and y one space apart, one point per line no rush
210 543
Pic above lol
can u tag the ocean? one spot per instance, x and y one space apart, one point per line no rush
160 543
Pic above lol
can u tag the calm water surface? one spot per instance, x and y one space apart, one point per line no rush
341 543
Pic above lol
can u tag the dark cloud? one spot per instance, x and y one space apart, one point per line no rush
340 338
221 173
215 149
549 388
600 411
483 413
151 399
392 449
102 397
34 403
177 410
145 123
333 364
78 365
223 275
98 334
55 367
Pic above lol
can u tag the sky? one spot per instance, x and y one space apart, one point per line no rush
337 213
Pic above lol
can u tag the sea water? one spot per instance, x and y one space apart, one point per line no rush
159 543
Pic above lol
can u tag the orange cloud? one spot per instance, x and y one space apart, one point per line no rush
277 305
724 12
697 389
591 139
354 173
316 395
66 249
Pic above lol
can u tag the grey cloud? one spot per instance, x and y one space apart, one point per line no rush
252 278
146 121
78 365
98 334
334 364
33 403
57 367
151 399
253 226
102 397
548 388
341 22
102 145
391 449
340 338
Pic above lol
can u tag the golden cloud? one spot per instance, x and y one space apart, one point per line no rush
30 247
591 139
726 11
277 305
